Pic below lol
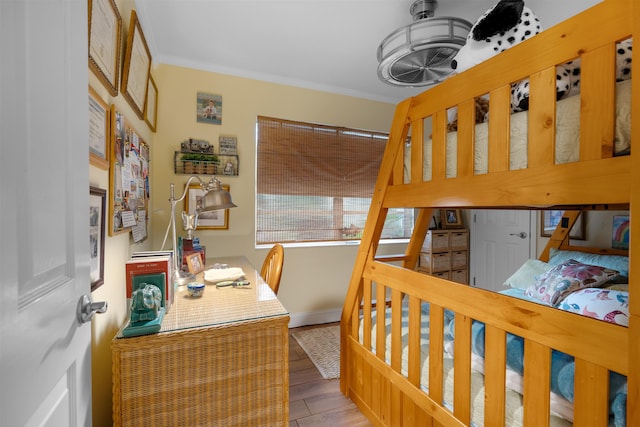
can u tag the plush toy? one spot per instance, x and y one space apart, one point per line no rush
507 24
504 25
623 60
568 78
482 108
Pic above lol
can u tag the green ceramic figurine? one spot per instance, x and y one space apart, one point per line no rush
145 303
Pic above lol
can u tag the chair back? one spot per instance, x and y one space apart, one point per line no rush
272 267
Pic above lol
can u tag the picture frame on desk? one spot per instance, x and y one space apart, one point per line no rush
213 220
194 263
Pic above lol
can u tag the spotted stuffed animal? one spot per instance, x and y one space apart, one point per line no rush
503 26
506 24
570 73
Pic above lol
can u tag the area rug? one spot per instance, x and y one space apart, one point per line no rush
322 345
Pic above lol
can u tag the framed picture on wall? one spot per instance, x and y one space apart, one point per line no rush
136 68
209 108
151 107
620 232
550 219
105 34
213 220
98 131
97 225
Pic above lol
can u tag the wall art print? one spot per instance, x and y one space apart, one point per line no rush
209 108
620 235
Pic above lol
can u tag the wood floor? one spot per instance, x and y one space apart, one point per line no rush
314 401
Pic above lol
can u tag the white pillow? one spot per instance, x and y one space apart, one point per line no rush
525 276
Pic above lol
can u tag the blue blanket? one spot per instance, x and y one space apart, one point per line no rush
562 368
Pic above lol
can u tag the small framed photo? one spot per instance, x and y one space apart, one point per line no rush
194 263
229 165
212 220
620 232
228 145
550 219
209 108
97 225
451 218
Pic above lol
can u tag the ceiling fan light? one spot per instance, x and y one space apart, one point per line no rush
420 54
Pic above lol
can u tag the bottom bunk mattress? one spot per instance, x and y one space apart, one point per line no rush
561 381
567 137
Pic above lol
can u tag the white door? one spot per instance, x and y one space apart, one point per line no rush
45 358
500 243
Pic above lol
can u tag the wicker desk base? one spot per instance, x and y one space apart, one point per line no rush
228 375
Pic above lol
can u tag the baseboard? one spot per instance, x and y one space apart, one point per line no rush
314 318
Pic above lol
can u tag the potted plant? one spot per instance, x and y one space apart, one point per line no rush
199 163
188 163
211 163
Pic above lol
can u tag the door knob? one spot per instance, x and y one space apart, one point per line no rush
522 234
87 309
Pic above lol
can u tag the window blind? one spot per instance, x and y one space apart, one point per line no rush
303 159
314 182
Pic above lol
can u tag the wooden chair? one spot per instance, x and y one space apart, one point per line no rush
272 267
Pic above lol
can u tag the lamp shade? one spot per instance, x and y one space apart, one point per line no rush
216 197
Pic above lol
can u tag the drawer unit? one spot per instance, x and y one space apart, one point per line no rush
458 240
442 274
445 253
432 262
460 276
436 241
458 260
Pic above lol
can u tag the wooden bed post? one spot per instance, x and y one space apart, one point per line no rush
372 229
633 397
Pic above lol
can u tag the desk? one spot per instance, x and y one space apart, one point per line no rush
218 360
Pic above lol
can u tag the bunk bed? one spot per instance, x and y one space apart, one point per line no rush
420 350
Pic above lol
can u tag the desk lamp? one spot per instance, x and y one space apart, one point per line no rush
215 198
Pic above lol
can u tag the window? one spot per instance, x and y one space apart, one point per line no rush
315 182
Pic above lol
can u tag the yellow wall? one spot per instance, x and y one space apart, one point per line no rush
314 281
117 251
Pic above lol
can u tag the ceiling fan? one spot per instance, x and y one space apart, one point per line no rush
420 54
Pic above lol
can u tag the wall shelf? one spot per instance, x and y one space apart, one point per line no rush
226 164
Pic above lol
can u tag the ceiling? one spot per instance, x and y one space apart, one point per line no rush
327 45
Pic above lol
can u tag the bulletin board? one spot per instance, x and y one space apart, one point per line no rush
128 178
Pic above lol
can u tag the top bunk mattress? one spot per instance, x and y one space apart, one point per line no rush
567 137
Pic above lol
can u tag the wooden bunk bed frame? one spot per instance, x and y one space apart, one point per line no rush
379 388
